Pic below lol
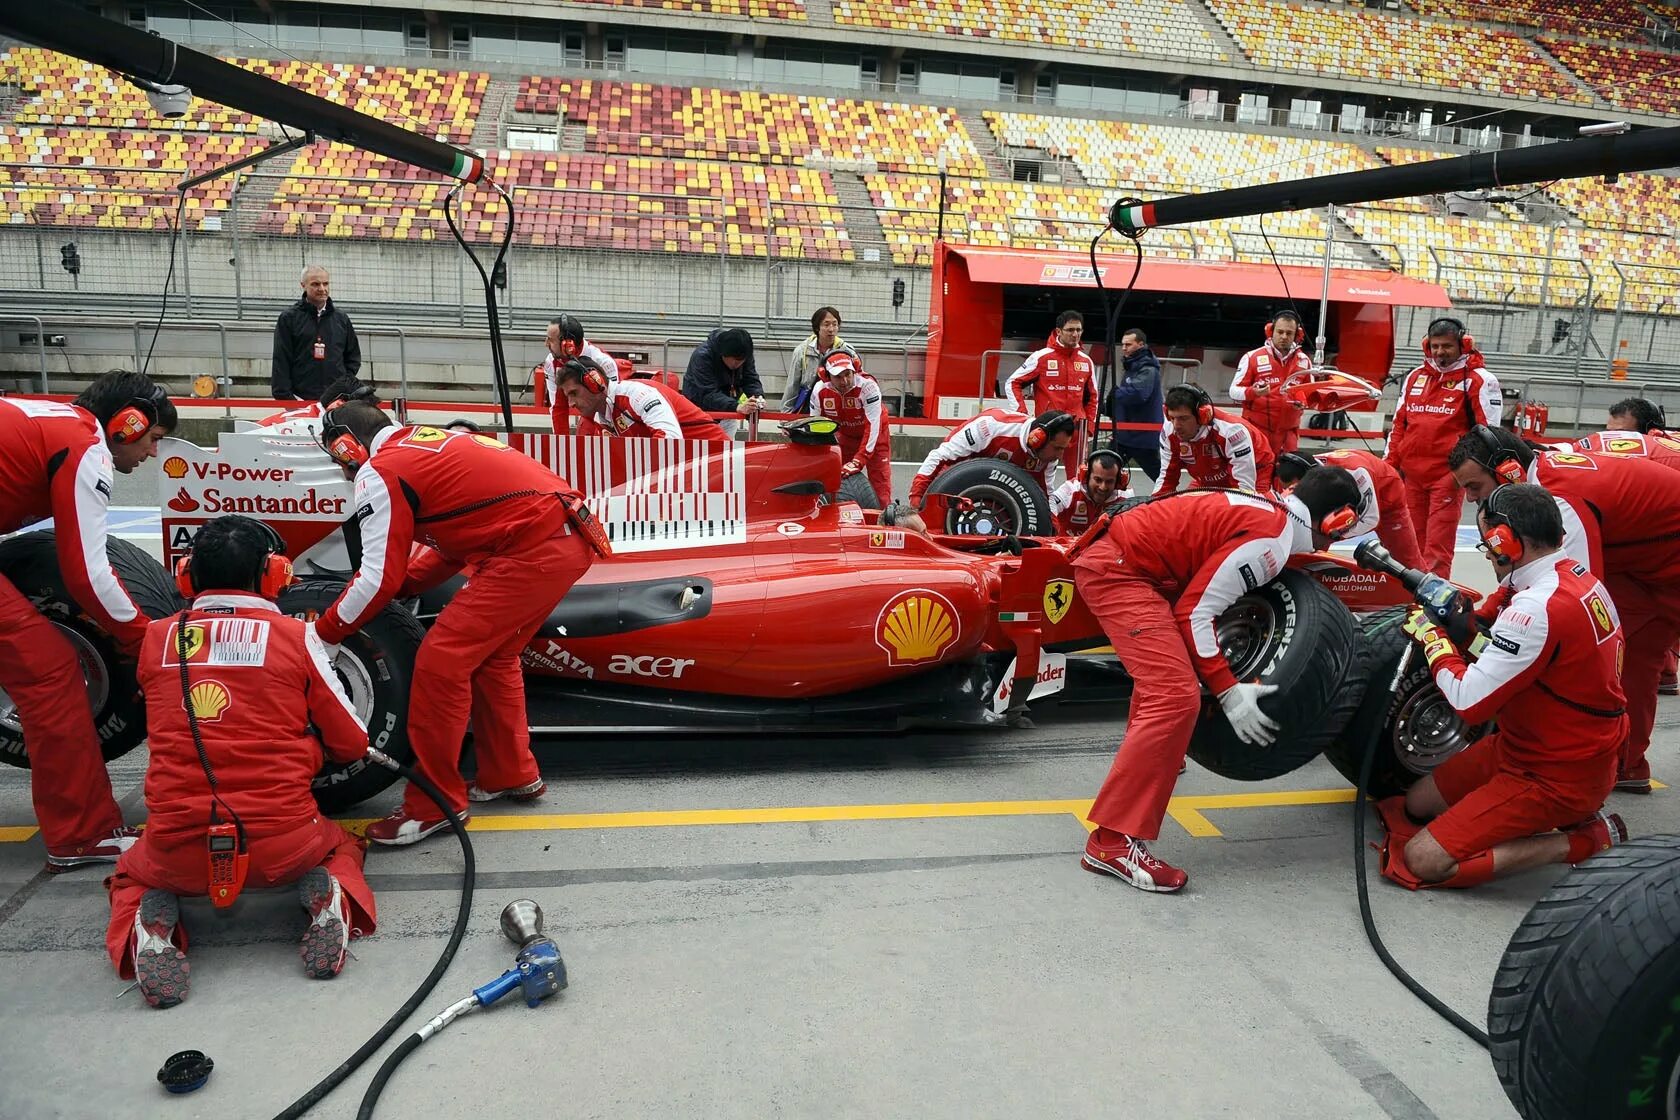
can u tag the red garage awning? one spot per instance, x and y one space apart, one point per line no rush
1043 267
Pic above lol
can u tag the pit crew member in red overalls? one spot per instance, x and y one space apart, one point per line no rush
847 395
1034 445
1077 503
1439 401
1063 379
1157 579
1383 494
566 343
1533 791
58 463
265 702
639 407
1641 434
476 501
1621 519
1258 385
1212 448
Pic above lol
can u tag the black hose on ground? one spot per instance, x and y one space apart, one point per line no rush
468 874
1429 998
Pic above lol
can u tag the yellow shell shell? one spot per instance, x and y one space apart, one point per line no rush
918 629
209 700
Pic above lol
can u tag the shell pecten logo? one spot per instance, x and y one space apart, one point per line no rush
175 467
209 700
916 627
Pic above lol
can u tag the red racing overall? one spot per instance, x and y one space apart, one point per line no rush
1227 454
996 433
1436 407
1062 378
864 439
648 408
1385 509
258 683
1270 412
479 502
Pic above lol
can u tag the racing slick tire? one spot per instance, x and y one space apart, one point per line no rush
1005 499
856 488
1417 729
30 562
375 667
1295 634
1583 1019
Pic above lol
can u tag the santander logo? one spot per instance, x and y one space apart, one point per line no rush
183 502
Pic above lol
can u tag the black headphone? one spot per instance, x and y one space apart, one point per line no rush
1501 461
1299 459
1104 456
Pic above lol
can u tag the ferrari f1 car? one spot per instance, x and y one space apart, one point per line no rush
748 593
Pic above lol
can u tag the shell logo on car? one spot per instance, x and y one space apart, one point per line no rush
175 467
209 700
917 626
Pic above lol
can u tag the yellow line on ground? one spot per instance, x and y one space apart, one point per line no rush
17 833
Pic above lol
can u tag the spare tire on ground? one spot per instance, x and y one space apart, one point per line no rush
1003 498
1295 634
1416 728
856 488
1584 1016
30 562
376 667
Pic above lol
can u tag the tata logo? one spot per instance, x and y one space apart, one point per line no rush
665 668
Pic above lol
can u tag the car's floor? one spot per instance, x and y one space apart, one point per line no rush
893 926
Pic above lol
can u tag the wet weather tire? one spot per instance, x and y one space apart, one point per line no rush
1583 1019
376 668
857 489
30 562
1294 634
1004 498
1416 728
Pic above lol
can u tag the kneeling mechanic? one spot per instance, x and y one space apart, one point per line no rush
1157 579
233 750
1549 670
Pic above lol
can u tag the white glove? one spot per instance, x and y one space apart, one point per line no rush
1241 703
331 649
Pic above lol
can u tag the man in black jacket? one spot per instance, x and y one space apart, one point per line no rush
1136 399
314 343
720 372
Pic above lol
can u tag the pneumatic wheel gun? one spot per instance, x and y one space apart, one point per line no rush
1445 604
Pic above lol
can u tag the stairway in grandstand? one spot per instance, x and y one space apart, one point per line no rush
990 148
1215 29
862 222
487 131
1574 79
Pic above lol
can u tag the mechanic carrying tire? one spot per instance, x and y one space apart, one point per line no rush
1157 578
58 464
528 536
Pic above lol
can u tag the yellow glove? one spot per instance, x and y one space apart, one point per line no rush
1425 632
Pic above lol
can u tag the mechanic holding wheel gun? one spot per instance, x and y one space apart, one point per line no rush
58 464
1157 577
1532 792
528 536
234 748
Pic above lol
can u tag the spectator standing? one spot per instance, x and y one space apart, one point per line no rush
314 343
721 376
1136 399
808 358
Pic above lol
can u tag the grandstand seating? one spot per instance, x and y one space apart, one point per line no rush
626 203
698 123
1152 27
1637 202
1602 19
67 91
1372 46
743 9
1648 81
122 180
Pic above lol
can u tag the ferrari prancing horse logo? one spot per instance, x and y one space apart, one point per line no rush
1058 599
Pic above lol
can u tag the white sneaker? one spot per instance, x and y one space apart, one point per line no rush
327 940
531 791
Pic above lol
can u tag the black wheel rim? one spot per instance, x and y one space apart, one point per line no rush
1427 731
95 676
990 513
1245 634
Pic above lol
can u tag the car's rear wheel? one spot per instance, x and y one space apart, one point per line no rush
30 563
856 488
1001 498
375 666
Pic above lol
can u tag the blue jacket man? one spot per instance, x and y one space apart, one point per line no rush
720 372
1136 399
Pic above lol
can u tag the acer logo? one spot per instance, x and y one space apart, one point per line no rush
626 665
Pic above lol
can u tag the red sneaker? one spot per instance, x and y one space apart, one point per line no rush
1130 859
160 965
1598 833
399 829
106 849
327 940
531 791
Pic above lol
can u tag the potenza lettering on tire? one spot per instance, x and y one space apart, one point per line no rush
665 668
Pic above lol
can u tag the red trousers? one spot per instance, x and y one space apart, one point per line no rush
1166 696
68 782
1435 503
468 666
1395 528
179 865
1650 625
878 467
1283 432
1492 800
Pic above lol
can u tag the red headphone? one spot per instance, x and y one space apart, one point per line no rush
1204 403
276 568
570 328
134 419
1038 432
588 375
1501 462
1465 342
340 442
1500 541
1337 522
1272 322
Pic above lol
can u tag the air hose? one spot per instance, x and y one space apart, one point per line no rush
327 1084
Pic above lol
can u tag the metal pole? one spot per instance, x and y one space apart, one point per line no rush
40 261
186 267
1651 343
1324 292
1621 302
233 216
1545 286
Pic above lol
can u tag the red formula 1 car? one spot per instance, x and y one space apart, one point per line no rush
745 593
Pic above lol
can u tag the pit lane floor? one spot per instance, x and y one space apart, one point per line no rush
812 927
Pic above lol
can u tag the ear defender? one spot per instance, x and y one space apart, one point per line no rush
1500 541
1337 522
1036 438
1500 462
1462 336
340 443
1204 406
592 379
131 421
275 577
